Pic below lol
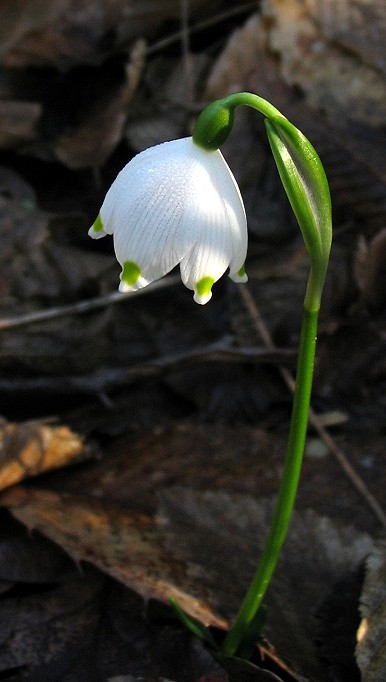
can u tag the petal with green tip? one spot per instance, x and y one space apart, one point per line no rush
203 290
97 231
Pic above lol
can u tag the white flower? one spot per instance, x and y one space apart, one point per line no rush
176 203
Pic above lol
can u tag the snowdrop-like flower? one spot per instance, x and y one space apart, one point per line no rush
176 203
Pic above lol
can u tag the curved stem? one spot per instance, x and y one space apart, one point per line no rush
288 488
249 99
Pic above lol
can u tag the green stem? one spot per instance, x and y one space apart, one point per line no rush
249 99
288 488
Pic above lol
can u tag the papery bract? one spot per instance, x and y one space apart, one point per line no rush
176 203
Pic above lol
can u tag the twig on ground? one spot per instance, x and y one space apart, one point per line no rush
85 306
202 25
107 379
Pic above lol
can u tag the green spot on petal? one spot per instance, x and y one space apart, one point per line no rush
204 285
130 273
98 225
239 277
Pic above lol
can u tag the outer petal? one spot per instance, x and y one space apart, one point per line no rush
97 231
143 209
215 226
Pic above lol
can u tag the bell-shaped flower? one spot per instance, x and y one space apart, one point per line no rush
176 203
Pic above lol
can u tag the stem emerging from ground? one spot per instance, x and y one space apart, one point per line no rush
288 488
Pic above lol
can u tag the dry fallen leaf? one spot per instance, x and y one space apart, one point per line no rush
202 550
161 111
39 268
333 78
125 545
31 448
56 616
63 34
224 535
89 627
29 558
75 110
91 142
192 454
34 264
239 57
371 647
357 25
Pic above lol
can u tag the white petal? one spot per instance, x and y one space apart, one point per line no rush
140 283
97 231
144 206
202 298
239 277
215 228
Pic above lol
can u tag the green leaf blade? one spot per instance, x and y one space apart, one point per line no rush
193 625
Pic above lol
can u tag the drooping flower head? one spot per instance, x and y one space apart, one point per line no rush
176 203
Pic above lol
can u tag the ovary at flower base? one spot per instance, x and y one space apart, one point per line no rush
176 203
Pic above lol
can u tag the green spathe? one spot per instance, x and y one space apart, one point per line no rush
305 183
